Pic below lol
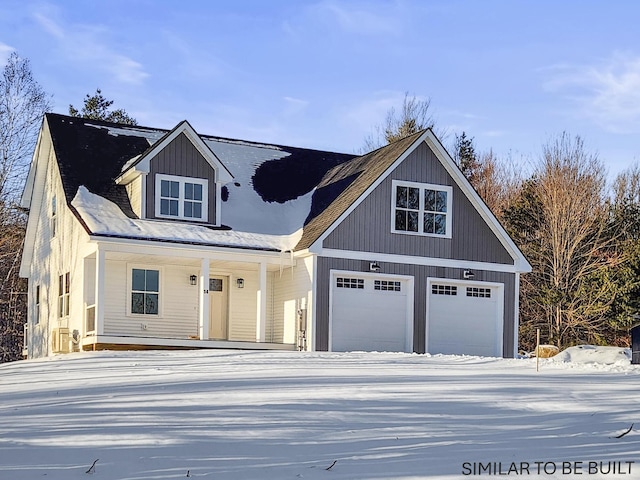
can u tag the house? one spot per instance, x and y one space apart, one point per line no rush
146 238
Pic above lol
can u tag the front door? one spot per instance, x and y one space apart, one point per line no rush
218 308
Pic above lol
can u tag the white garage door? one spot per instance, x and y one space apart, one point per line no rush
369 313
464 318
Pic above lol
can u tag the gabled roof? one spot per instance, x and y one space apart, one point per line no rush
346 183
140 163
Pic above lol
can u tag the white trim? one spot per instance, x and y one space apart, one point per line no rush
203 299
319 241
144 266
100 294
467 283
182 181
182 342
151 247
261 304
143 166
421 211
520 262
143 192
411 260
311 327
516 316
410 290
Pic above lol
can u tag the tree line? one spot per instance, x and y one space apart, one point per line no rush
581 236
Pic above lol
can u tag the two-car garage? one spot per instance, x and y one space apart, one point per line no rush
375 312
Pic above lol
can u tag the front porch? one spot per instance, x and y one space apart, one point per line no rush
150 296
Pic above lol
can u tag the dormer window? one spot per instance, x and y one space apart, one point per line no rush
183 198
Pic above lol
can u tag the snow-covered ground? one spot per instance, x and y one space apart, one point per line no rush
287 415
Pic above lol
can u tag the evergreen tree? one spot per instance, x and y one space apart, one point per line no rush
96 107
464 154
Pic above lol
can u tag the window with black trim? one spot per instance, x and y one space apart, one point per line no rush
36 312
387 285
421 209
145 291
63 295
54 216
343 282
478 292
181 197
438 289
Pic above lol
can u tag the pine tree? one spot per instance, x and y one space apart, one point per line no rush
96 107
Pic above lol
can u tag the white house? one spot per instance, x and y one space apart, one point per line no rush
146 238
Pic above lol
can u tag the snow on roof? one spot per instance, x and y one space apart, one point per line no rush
105 218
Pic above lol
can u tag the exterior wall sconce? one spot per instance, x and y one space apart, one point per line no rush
468 275
240 282
193 280
374 266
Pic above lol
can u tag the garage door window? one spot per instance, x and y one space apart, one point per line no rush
444 289
343 282
387 286
478 292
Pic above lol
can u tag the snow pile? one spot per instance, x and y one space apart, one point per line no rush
595 354
232 415
104 217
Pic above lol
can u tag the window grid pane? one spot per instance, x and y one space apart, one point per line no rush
145 285
387 285
357 283
444 289
478 292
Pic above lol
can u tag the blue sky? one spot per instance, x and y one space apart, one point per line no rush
322 74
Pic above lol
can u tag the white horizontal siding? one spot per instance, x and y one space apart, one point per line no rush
243 307
291 291
178 303
134 191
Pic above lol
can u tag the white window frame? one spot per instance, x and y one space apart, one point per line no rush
130 291
421 211
181 198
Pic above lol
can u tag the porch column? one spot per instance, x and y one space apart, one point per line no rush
261 318
203 300
100 281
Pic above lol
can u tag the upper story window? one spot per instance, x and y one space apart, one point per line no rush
421 209
181 197
54 216
63 295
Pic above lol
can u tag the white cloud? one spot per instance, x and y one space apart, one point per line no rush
358 19
608 93
89 45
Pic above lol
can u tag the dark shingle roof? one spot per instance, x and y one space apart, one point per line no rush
92 157
345 183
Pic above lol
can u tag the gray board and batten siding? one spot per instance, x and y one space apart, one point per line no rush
191 164
420 273
368 227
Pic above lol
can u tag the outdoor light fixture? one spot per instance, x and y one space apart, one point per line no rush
374 266
240 282
468 275
193 279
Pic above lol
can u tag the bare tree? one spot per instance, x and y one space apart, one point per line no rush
414 115
22 104
497 181
560 220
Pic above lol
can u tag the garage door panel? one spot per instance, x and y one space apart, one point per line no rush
461 324
368 319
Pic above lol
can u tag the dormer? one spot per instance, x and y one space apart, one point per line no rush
178 178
